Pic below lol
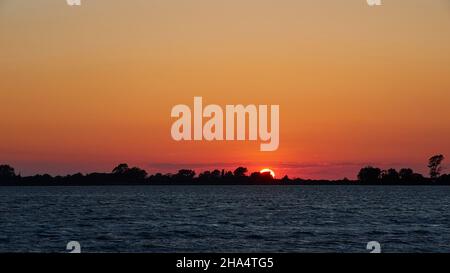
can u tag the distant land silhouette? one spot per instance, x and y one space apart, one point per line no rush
125 175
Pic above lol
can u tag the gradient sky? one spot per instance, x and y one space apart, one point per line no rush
85 88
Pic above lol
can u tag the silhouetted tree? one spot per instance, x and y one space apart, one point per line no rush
240 171
255 175
391 175
7 172
228 174
444 179
434 163
185 174
285 179
261 177
266 176
369 174
123 172
120 169
417 177
205 175
215 174
135 173
406 174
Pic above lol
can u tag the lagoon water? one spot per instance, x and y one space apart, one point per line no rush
225 218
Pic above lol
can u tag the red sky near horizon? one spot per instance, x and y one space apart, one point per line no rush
85 88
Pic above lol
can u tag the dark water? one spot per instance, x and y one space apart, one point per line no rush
225 218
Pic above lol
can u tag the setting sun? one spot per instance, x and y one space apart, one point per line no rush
272 173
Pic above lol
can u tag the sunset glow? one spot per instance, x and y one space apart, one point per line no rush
272 173
356 85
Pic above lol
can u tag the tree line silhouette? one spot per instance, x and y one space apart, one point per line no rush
125 175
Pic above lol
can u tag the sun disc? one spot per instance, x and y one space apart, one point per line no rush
272 173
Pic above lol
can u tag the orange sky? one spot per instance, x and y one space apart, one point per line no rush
84 88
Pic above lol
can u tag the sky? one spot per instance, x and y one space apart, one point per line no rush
86 88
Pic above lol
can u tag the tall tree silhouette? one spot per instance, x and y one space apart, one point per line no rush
434 164
7 172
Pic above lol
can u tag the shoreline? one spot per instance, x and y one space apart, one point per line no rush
333 184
